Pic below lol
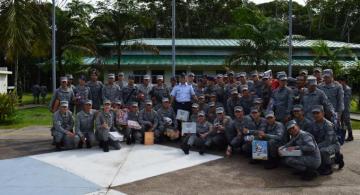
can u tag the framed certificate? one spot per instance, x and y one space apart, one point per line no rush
188 127
182 115
116 136
259 150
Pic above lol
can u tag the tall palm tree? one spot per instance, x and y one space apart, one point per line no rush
23 29
259 37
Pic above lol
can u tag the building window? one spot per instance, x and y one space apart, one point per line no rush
155 73
139 75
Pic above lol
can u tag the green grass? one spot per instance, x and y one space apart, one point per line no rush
29 117
354 106
27 98
355 124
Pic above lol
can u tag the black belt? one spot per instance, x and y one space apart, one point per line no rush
183 102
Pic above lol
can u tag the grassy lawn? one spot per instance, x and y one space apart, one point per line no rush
29 117
354 105
28 98
355 125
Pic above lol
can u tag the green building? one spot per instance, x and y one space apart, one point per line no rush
202 56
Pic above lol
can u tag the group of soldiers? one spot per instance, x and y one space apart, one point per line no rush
307 113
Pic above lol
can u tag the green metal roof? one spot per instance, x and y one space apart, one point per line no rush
162 42
161 60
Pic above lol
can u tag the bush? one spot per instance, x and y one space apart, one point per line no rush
8 103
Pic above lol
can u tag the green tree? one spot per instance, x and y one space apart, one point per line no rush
327 57
24 31
259 37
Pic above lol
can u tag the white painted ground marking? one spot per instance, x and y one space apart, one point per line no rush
119 167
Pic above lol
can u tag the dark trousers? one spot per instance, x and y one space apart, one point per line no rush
183 106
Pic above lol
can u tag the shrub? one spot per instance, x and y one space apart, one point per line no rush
8 103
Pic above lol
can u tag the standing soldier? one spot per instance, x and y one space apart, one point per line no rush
64 93
299 89
345 119
334 91
325 136
257 84
246 100
190 80
314 96
146 87
36 94
317 74
220 89
232 102
70 81
202 104
84 126
130 92
82 94
310 160
121 82
198 139
111 91
282 100
95 89
63 127
104 124
43 93
159 91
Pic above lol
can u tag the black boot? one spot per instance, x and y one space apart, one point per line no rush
80 145
339 159
88 144
309 175
325 170
185 148
106 146
58 146
349 139
101 144
202 150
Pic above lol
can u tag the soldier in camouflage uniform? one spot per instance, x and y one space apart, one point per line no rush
63 127
146 87
310 160
299 117
121 82
167 120
234 134
222 123
325 136
130 92
198 139
232 102
84 126
159 91
148 117
104 123
111 91
345 119
95 89
82 94
282 101
64 93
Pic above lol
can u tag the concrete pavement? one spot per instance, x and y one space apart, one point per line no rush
152 170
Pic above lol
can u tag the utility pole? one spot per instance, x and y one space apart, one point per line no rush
173 18
290 39
53 28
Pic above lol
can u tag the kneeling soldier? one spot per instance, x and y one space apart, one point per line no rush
217 136
84 126
325 136
235 134
63 127
203 127
148 117
104 124
310 160
167 121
